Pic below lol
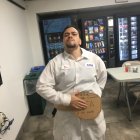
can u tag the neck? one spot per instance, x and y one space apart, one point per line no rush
76 53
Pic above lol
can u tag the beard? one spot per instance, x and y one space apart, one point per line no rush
71 44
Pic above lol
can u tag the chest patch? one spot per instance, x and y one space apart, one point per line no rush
89 65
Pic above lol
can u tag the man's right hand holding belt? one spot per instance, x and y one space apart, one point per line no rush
77 103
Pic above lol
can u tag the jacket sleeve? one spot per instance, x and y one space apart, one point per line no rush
45 87
101 74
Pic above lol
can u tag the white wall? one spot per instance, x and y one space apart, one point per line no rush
44 6
15 62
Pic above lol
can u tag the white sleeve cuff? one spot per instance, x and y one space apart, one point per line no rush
66 99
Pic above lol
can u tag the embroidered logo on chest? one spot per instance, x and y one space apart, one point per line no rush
89 65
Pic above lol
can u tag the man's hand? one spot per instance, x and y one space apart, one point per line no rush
77 103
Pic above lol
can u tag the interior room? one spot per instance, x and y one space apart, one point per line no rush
24 39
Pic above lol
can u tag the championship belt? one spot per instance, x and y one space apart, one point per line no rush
93 109
94 106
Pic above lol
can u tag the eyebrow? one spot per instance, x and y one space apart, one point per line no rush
74 32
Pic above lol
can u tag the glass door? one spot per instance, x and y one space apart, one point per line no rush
134 43
52 29
95 36
123 39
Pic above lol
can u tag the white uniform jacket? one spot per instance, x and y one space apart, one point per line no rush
64 75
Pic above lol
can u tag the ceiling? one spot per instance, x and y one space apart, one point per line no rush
30 0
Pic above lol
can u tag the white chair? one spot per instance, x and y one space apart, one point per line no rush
137 95
133 87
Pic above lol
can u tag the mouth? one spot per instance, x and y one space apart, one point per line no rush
70 39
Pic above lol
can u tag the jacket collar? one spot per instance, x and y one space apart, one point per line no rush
84 54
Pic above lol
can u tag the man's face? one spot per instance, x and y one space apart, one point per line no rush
71 38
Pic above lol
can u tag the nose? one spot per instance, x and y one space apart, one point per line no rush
70 35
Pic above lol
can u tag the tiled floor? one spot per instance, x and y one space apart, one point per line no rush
118 125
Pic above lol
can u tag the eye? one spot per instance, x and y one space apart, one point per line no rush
66 34
74 34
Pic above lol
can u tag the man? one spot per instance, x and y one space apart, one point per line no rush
69 73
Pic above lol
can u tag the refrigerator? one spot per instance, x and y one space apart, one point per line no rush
127 39
94 34
51 35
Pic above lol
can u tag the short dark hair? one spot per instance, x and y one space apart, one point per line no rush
69 26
